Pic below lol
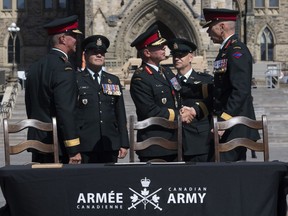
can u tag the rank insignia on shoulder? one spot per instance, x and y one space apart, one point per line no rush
109 81
68 69
237 47
139 70
64 58
237 55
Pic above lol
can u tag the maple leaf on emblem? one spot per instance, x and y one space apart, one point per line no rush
155 198
134 198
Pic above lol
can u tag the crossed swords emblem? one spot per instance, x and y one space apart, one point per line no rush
144 198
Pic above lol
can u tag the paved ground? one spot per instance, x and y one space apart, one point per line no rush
272 102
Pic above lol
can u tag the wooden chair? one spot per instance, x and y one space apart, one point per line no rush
33 144
165 123
250 144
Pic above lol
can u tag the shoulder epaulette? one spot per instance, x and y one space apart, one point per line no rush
203 74
64 58
228 43
139 70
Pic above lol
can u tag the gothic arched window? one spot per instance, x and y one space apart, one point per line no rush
267 45
11 51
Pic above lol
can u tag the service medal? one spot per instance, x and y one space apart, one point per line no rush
175 84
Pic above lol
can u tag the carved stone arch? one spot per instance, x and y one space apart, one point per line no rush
142 14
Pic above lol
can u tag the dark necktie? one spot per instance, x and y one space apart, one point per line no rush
95 75
182 79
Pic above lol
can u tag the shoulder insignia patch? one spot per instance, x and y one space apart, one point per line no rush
237 47
234 41
237 55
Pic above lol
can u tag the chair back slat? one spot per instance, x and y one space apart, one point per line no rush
259 146
12 128
135 126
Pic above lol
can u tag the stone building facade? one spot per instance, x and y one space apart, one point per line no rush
262 26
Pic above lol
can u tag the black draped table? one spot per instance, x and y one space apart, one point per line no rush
210 189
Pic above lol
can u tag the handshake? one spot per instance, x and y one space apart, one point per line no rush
187 114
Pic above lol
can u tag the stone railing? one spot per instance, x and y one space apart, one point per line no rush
8 101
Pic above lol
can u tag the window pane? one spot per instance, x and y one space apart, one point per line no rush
17 51
20 4
270 52
48 4
263 39
7 4
268 36
62 4
10 50
259 3
263 52
273 3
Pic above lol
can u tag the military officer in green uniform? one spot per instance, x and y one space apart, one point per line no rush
101 111
232 78
197 145
51 90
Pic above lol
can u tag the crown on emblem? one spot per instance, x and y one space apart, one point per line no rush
99 42
175 46
145 182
